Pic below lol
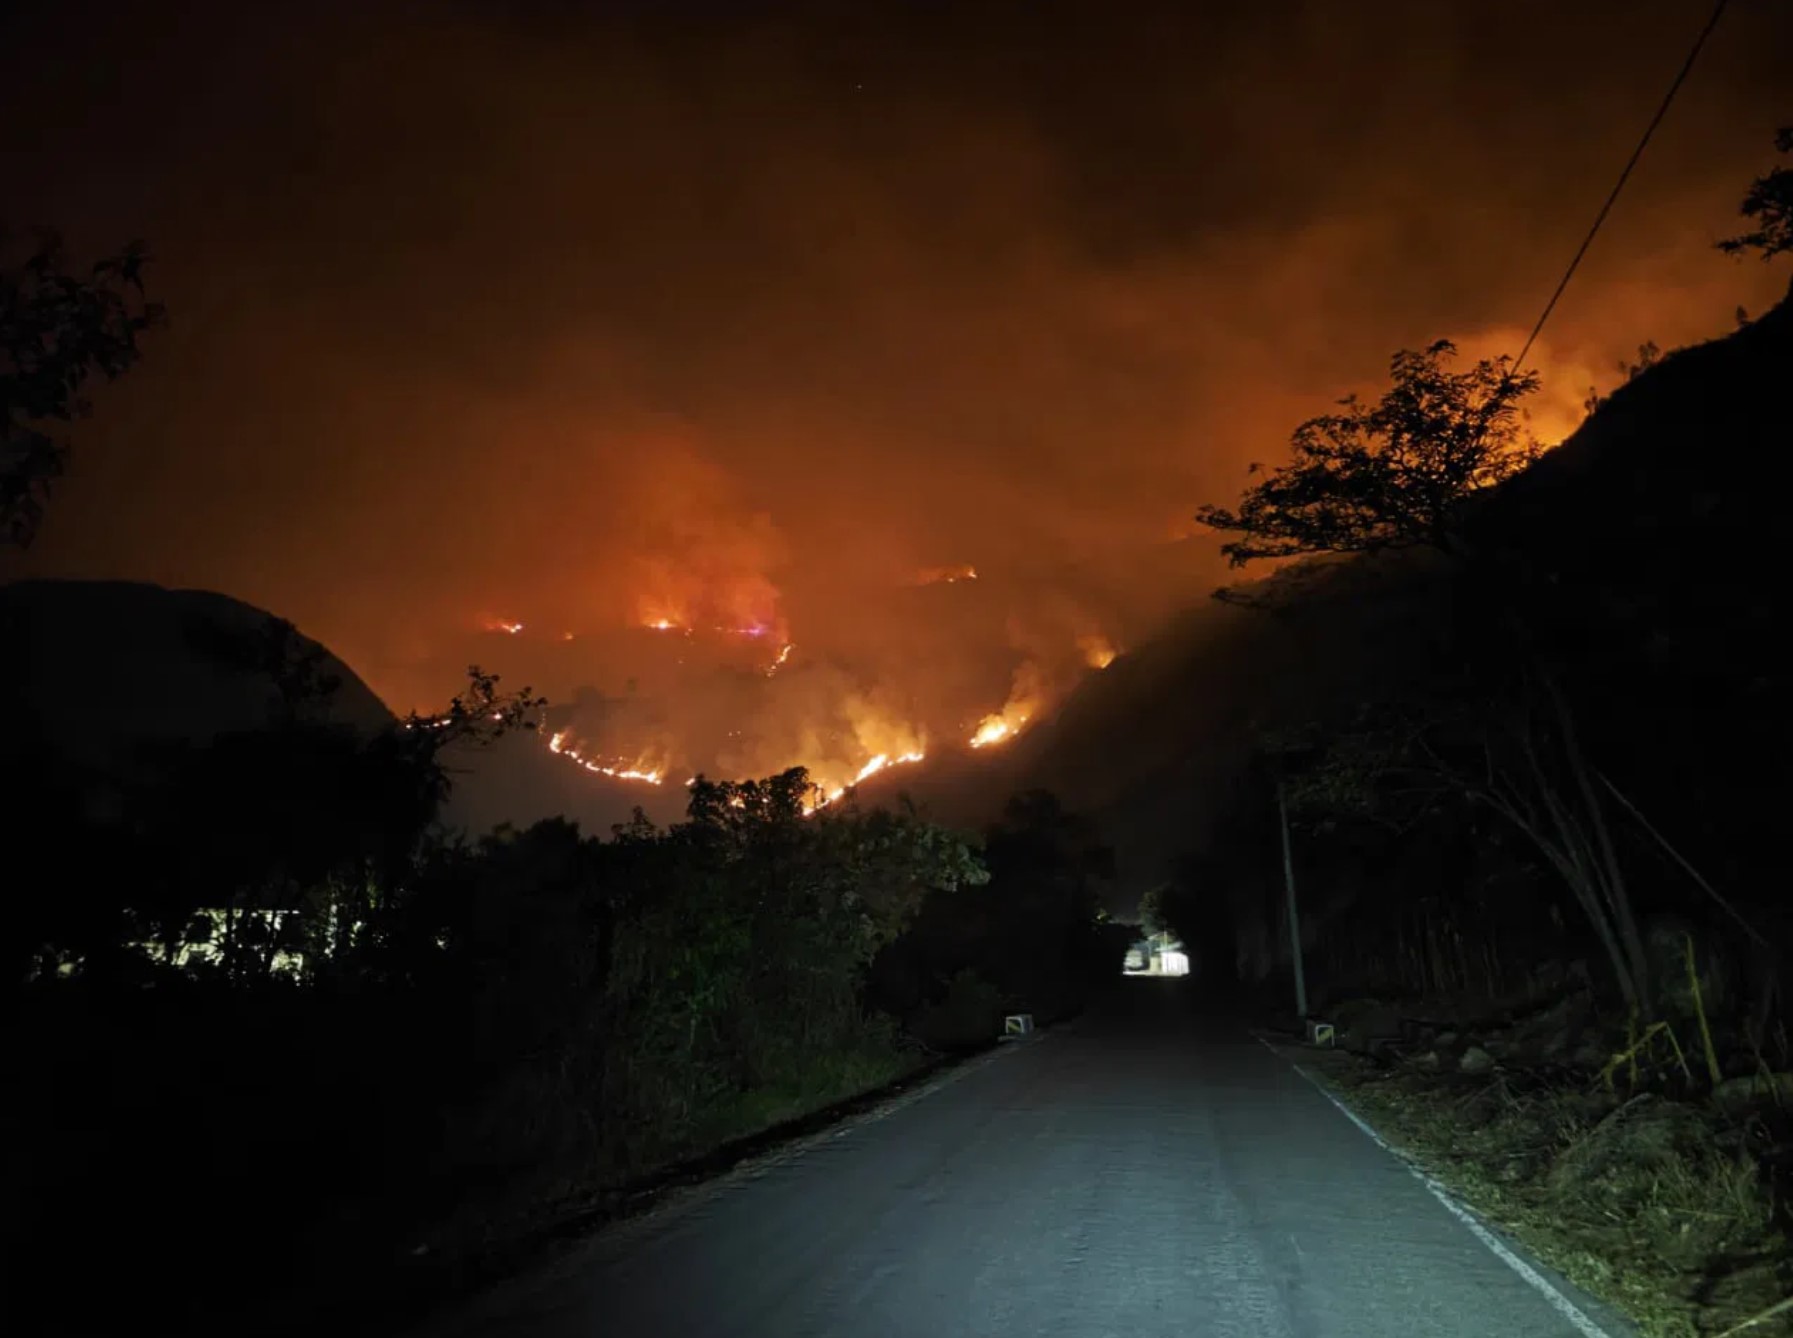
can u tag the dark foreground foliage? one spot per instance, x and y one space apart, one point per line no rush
273 1032
276 1035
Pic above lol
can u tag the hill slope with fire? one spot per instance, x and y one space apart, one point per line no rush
1656 520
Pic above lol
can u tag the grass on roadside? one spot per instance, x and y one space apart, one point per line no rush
1655 1206
826 1080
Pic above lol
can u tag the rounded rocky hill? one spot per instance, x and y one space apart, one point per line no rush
108 674
103 668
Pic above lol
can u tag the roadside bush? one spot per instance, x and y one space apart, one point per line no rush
448 1047
968 1016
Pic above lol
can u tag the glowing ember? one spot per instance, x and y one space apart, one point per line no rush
498 625
663 625
996 729
946 575
783 655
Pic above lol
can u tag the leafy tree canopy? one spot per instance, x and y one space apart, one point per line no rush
58 329
1390 475
875 867
1769 205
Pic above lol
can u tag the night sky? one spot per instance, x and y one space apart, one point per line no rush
736 315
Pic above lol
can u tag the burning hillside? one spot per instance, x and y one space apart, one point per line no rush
652 348
696 693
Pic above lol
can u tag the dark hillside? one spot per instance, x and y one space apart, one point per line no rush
1152 746
1660 526
102 665
1651 528
107 672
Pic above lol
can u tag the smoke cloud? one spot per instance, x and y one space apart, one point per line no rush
684 334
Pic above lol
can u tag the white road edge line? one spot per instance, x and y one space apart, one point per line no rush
1576 1316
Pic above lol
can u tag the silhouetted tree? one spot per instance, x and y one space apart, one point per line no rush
1035 938
1648 355
1493 727
1769 204
282 838
1049 868
479 715
1196 907
1423 756
58 329
1391 475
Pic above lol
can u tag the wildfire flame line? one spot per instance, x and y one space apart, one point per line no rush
637 770
881 762
995 729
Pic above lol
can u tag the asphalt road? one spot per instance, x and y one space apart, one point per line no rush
1137 1172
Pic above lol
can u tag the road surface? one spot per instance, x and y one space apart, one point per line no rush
1134 1173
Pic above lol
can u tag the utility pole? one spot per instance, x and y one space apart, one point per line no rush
1288 874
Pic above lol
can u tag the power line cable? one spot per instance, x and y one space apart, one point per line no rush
1662 111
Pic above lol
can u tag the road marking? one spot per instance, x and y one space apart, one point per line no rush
1576 1316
